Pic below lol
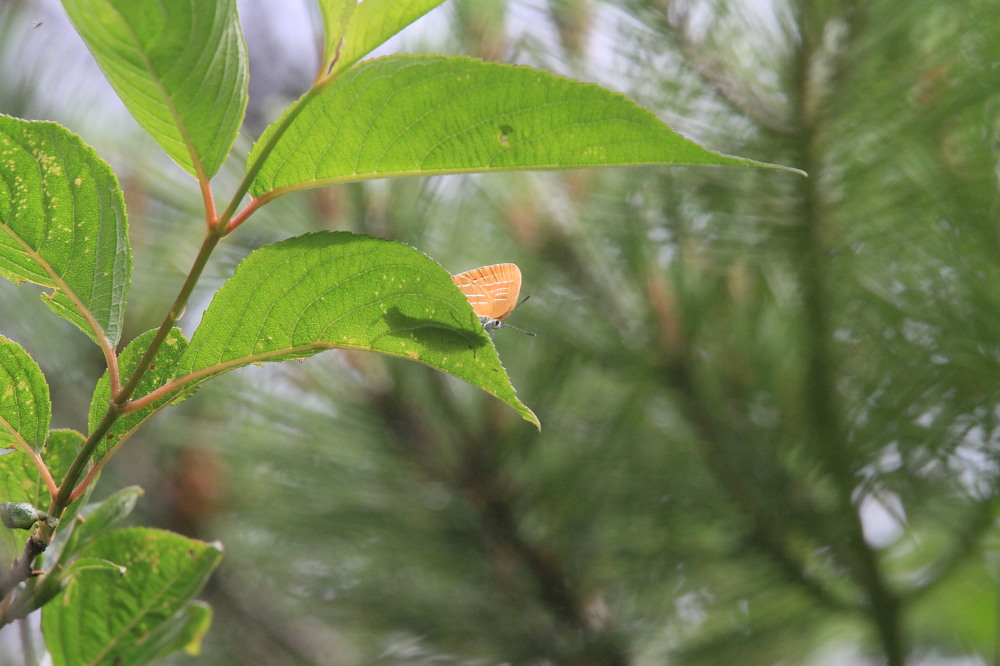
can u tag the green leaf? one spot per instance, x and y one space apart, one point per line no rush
336 290
183 630
81 525
336 17
158 374
63 226
97 519
20 480
50 585
25 408
179 67
373 23
60 450
426 115
115 508
89 563
106 617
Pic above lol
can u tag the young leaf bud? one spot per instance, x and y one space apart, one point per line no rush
20 515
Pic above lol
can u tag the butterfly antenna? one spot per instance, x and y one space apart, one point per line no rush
520 303
519 330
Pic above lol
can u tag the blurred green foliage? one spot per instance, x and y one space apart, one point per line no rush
769 403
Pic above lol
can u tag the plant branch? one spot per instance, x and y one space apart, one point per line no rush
111 359
479 480
19 572
67 490
180 304
247 211
64 495
223 225
966 543
81 487
21 569
206 196
770 536
812 102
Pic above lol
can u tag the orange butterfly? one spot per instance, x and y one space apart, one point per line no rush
492 292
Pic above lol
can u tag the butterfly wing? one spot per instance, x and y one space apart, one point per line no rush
492 290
